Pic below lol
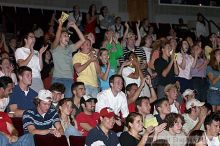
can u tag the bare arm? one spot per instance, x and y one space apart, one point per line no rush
58 34
137 93
183 63
59 128
85 126
103 76
17 112
152 91
33 130
24 62
138 41
213 79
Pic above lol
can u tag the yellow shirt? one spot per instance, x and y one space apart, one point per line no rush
88 76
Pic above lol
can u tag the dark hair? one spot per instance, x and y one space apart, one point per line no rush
5 80
75 85
171 119
22 69
208 106
138 102
213 62
101 10
25 37
127 56
128 87
112 78
210 118
57 87
194 137
130 119
160 142
158 103
90 9
163 45
44 56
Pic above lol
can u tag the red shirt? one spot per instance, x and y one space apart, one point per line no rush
131 107
92 120
4 118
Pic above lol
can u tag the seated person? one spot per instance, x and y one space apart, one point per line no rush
102 133
162 106
212 124
9 135
6 85
195 116
42 120
69 125
57 90
22 96
88 118
187 95
173 132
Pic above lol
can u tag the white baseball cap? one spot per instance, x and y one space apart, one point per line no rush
194 102
188 92
45 95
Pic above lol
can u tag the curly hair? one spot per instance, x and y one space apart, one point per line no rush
172 118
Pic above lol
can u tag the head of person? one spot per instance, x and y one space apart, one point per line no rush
193 106
131 89
25 75
43 101
213 38
64 37
184 46
90 36
131 56
189 94
107 118
5 64
145 22
142 105
6 86
174 123
117 20
208 108
196 48
134 122
104 10
92 9
212 124
65 107
109 34
162 106
165 49
147 40
200 17
47 55
76 9
57 90
215 59
29 39
78 89
171 91
173 43
160 142
13 42
196 138
131 38
86 47
88 103
116 83
5 54
103 56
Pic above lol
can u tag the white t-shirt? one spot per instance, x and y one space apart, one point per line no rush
4 103
117 103
147 52
190 123
34 64
213 142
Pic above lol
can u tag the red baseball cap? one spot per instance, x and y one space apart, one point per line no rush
107 112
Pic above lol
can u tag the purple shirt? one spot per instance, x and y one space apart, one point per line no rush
199 71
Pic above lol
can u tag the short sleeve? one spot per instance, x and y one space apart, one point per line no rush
19 54
76 59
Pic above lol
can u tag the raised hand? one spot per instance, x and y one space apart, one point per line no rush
43 49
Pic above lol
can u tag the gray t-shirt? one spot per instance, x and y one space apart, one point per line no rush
62 58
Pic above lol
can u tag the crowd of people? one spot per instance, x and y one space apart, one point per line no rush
133 88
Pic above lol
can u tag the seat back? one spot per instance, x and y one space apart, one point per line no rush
50 140
77 140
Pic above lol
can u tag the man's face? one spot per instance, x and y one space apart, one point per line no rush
57 96
213 128
2 94
79 91
108 123
117 84
145 106
44 106
165 107
8 89
26 78
90 106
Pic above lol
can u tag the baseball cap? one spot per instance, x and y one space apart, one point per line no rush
188 92
45 95
107 112
193 103
87 98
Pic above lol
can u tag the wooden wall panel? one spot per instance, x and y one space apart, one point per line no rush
137 9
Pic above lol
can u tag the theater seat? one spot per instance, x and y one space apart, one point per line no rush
50 140
18 124
77 140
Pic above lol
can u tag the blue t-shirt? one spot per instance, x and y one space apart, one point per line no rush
23 101
215 74
32 117
97 137
105 84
